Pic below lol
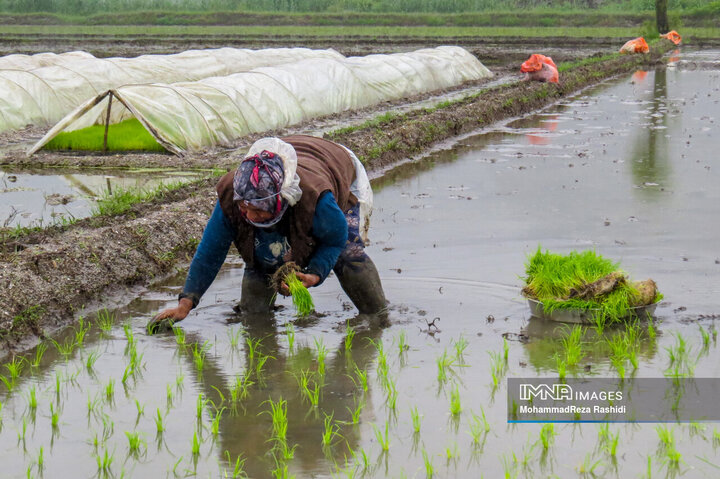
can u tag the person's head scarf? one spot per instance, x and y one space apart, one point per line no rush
267 179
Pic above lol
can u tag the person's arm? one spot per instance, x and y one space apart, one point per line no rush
331 231
209 257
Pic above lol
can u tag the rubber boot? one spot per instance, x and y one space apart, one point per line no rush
361 282
257 295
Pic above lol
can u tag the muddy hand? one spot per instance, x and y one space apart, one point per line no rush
165 320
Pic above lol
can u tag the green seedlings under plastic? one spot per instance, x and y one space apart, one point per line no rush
128 135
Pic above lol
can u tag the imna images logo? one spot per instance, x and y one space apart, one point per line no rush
556 392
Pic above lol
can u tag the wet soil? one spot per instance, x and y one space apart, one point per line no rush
66 272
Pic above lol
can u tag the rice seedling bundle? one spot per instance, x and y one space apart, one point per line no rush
302 300
585 281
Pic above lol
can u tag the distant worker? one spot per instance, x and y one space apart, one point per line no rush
540 68
301 199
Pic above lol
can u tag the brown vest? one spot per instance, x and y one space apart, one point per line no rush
322 166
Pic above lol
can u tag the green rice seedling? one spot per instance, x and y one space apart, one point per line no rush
330 432
451 452
497 368
428 461
40 460
105 320
128 135
301 297
479 427
199 357
179 333
135 443
618 353
357 410
455 406
240 390
361 376
127 329
444 365
91 360
215 423
666 436
612 443
416 419
23 430
32 399
253 345
547 436
652 334
506 349
383 439
169 395
572 345
39 353
110 390
200 406
81 331
238 467
159 422
460 345
349 335
104 462
705 337
391 401
179 381
587 468
260 363
126 375
321 356
54 416
195 445
290 333
234 338
14 369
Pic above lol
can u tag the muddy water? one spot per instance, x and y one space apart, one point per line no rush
626 168
47 197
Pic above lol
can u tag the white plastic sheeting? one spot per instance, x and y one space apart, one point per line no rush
215 111
41 89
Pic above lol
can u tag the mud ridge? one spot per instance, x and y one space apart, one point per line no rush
47 276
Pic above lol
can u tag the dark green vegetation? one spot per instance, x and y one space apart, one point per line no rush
357 13
128 135
552 278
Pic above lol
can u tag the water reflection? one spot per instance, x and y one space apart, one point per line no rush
650 153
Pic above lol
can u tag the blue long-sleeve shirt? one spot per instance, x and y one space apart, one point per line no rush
329 228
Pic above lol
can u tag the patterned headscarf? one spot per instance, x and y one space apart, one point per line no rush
257 182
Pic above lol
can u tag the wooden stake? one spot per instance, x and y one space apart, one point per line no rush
107 121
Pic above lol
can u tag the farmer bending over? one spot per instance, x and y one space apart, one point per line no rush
301 199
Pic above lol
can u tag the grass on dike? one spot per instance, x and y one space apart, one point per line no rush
551 276
128 135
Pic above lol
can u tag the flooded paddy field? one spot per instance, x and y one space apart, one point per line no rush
626 168
46 197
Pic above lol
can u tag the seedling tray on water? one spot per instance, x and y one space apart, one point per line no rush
584 316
